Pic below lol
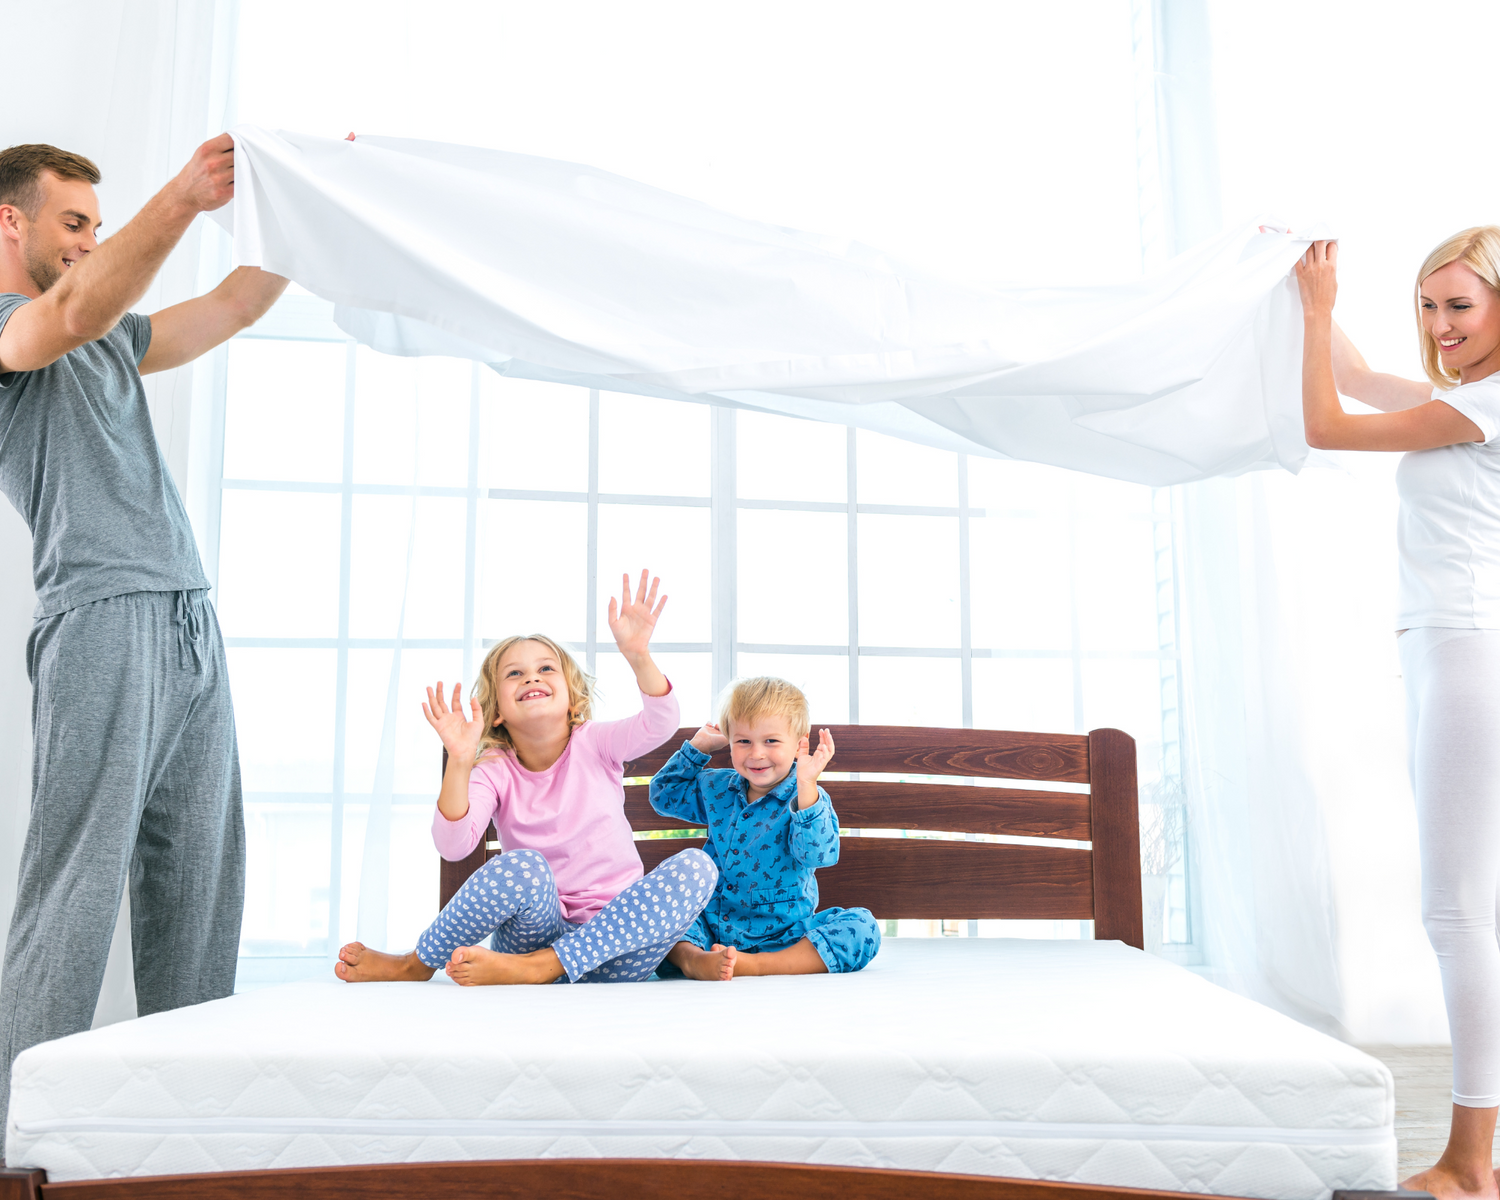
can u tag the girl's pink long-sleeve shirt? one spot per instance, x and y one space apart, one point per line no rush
573 813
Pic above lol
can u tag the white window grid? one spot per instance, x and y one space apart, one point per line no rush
302 318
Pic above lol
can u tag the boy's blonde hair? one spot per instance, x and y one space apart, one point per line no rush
580 690
745 700
1479 250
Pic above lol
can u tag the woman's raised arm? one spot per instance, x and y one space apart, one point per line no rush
1353 377
1327 426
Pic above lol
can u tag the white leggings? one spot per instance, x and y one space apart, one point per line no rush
1453 738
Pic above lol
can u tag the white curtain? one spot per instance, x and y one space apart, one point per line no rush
135 85
1264 903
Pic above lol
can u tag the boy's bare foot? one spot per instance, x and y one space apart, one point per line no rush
473 965
359 964
801 958
1446 1184
713 965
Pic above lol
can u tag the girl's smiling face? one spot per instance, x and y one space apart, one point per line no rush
1462 314
530 688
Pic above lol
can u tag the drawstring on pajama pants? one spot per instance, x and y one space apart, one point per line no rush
187 607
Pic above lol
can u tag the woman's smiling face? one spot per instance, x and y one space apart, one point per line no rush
1462 314
530 687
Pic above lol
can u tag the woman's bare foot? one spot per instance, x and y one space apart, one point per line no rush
713 965
473 965
359 964
1447 1184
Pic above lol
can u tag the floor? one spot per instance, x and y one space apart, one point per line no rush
1424 1102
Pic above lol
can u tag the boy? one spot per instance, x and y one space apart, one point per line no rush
770 826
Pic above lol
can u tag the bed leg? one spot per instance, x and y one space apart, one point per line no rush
20 1183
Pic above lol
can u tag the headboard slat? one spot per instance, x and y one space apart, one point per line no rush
942 807
918 750
929 879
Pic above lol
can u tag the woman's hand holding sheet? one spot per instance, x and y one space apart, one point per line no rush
1317 280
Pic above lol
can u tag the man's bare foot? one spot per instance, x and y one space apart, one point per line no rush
359 964
1446 1184
473 965
713 965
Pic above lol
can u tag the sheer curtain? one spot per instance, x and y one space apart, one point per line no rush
1263 905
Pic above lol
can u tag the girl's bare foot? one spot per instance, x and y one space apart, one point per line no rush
472 965
716 964
1447 1184
359 964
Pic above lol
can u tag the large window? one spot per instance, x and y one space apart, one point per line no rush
378 511
373 506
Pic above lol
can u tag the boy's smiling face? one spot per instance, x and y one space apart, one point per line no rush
762 751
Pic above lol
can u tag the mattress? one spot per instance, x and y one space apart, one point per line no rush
1083 1061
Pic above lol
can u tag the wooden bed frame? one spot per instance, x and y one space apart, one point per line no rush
893 877
931 878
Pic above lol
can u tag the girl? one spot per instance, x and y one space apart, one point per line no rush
1448 538
566 898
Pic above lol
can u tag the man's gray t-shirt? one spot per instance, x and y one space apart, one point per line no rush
79 460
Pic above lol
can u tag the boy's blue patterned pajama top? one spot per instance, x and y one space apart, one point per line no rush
766 853
514 897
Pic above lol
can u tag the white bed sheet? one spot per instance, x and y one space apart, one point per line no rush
1085 1061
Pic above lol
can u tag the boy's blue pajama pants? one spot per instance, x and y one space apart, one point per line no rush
846 939
514 897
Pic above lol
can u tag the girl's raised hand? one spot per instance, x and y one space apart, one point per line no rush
461 737
632 621
710 739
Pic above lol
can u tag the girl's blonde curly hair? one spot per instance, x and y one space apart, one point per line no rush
580 690
1479 250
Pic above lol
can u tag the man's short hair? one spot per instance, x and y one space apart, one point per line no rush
21 170
747 700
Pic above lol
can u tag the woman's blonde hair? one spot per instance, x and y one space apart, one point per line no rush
580 690
1479 250
745 700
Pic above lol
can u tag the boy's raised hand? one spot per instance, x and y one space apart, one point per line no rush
810 765
461 737
710 739
632 621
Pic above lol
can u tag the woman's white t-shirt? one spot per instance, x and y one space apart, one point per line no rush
1448 530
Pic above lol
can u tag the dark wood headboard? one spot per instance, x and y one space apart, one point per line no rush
928 877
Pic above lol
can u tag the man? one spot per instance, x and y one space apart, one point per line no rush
135 771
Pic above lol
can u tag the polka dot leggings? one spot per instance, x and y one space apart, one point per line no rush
514 898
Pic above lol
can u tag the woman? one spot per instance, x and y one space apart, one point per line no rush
1448 536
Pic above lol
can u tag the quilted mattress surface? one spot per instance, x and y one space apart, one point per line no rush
1085 1061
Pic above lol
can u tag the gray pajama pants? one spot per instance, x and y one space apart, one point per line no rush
135 779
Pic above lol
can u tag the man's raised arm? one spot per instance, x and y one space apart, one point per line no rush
91 297
181 333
